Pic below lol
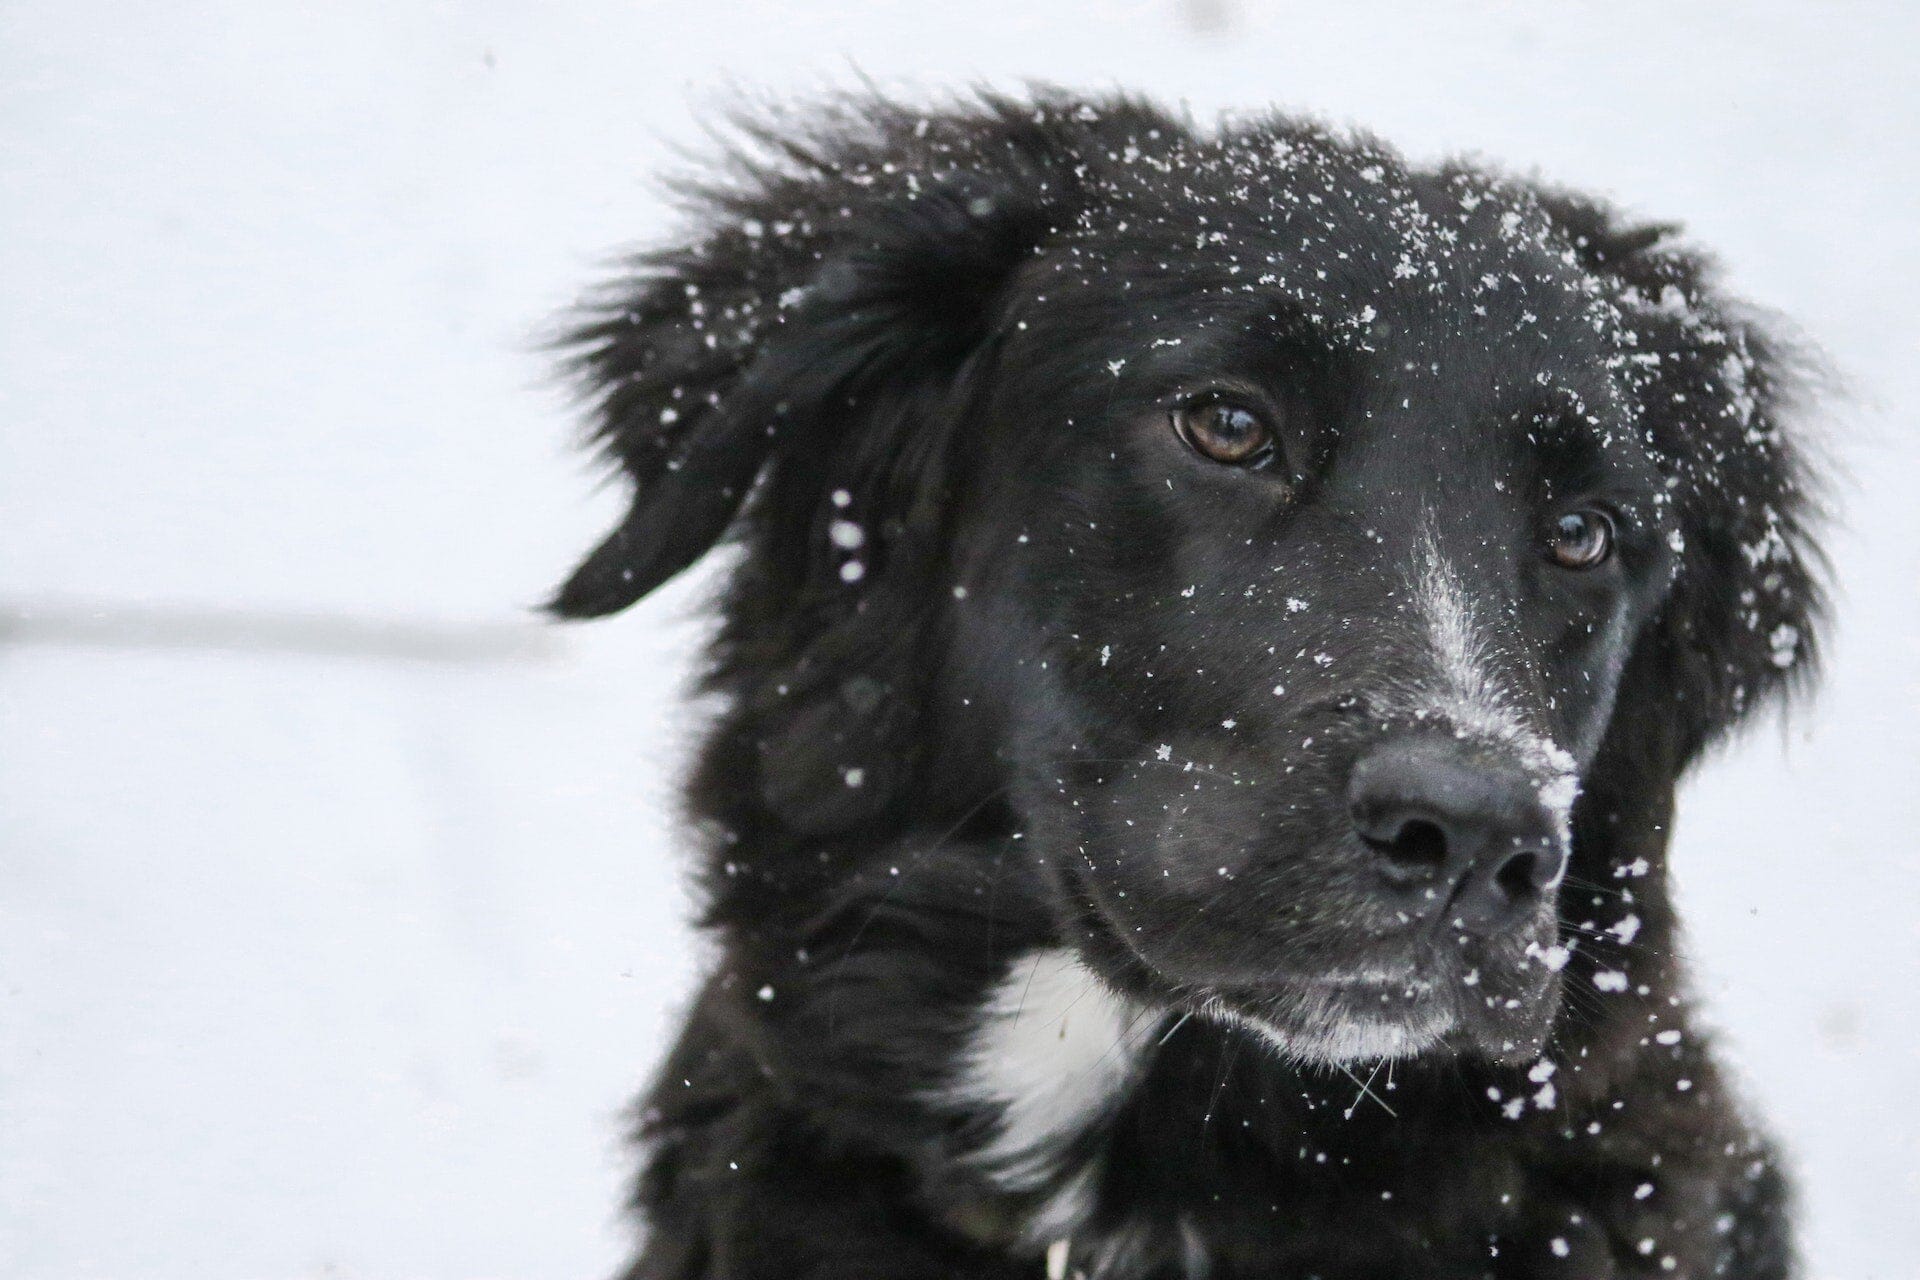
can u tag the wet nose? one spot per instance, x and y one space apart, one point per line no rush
1455 835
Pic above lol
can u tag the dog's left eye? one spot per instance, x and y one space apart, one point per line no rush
1581 539
1224 431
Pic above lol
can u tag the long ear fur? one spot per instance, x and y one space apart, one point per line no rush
1721 401
806 357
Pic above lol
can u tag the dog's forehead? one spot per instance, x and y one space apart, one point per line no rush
1371 254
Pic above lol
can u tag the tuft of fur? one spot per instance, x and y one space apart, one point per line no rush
1021 702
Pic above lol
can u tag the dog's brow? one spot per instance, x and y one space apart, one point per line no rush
1562 411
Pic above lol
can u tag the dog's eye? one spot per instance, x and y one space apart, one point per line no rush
1581 539
1224 431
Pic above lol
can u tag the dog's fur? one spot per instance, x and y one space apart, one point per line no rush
1047 946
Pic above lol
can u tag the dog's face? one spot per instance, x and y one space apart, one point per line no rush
1290 534
1327 564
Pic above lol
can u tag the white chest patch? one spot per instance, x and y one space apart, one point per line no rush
1053 1051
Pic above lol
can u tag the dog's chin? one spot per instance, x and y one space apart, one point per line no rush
1340 1022
1363 1020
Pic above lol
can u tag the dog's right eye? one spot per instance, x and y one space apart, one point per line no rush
1226 432
1581 539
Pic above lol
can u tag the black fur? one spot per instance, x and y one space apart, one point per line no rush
1088 689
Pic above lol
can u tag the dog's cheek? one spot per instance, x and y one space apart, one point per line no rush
1201 875
1268 839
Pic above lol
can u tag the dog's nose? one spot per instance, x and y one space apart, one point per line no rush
1454 834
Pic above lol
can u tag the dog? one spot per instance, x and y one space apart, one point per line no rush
1219 619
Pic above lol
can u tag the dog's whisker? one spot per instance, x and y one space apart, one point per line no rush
1366 1091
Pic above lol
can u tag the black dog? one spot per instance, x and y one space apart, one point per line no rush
1221 619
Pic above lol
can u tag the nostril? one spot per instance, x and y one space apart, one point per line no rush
1418 845
1519 877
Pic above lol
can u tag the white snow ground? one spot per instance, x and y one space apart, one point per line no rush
337 953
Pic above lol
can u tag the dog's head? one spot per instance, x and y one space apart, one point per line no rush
1314 559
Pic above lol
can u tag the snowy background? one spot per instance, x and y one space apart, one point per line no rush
340 903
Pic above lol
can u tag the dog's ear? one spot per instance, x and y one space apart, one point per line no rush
1722 402
836 261
807 357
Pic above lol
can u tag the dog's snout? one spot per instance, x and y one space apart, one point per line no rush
1455 834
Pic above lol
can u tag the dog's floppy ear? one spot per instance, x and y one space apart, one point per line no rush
1721 402
837 257
807 357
